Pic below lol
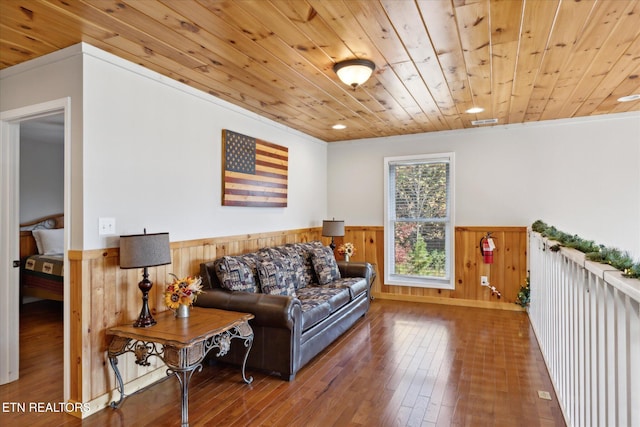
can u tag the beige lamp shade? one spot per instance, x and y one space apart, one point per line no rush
332 228
144 250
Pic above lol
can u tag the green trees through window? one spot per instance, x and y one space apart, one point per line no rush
419 217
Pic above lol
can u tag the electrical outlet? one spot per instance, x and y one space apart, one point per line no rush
544 395
106 226
484 281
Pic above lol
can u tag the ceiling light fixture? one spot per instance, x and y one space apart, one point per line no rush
474 110
354 72
339 126
629 98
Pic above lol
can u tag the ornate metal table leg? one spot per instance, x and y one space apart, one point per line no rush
248 342
117 346
113 360
184 376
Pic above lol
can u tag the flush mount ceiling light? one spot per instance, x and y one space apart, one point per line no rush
354 72
339 126
629 98
474 110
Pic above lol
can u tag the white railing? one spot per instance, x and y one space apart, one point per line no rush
586 317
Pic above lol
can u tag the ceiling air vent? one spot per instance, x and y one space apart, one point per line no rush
484 122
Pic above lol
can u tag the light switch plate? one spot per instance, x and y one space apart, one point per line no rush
106 226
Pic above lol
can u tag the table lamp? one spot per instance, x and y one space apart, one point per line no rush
332 228
143 251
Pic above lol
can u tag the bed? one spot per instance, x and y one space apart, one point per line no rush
42 258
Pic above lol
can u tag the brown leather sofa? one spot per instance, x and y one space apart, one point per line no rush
289 330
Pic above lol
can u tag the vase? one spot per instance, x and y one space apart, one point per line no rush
182 311
346 257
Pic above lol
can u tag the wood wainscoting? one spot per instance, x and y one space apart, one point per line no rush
507 274
103 295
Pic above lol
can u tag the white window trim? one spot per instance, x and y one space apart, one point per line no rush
420 282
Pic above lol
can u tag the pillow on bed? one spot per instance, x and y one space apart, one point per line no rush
49 242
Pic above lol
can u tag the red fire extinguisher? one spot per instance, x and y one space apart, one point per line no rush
486 248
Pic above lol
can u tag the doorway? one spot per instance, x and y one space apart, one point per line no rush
10 126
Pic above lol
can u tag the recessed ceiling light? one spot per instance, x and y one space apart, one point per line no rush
475 110
339 126
629 98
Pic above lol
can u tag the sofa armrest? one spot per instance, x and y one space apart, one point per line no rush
357 269
277 311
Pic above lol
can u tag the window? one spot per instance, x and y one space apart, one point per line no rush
419 221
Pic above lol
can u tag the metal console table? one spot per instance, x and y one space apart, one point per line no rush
181 343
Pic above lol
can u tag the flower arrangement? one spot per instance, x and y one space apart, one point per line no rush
347 249
182 291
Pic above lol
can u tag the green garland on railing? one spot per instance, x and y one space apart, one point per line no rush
599 253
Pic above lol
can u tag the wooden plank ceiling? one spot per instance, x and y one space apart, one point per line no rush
521 60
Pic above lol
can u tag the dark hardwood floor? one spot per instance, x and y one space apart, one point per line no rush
404 364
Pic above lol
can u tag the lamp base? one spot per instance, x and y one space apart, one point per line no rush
145 319
144 322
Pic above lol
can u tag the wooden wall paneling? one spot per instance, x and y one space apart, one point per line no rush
96 326
103 295
75 327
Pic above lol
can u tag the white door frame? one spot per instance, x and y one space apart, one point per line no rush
9 234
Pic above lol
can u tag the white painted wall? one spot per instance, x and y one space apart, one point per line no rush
49 78
41 179
580 175
147 151
152 158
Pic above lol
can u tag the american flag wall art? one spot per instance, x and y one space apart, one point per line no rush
254 172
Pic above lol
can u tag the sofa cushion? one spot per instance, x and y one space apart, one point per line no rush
325 265
356 285
292 262
313 312
235 275
334 296
275 278
301 252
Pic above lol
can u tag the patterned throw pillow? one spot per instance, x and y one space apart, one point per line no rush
325 265
302 277
274 278
235 275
